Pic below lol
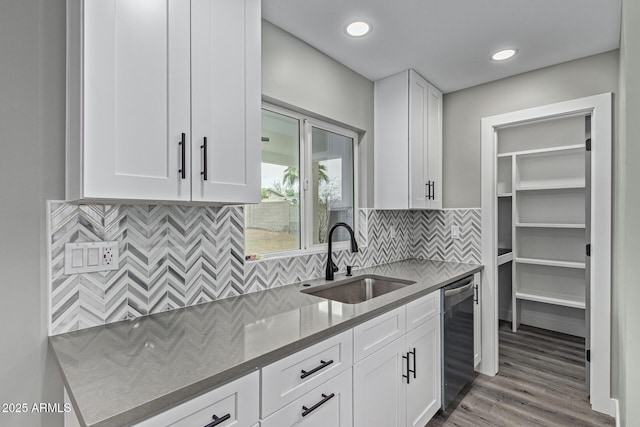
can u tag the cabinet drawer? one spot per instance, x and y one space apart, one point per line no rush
290 378
332 401
423 309
237 401
371 336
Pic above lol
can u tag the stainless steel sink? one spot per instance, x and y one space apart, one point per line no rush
358 289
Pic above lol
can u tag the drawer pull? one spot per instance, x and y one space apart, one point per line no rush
304 374
306 411
217 420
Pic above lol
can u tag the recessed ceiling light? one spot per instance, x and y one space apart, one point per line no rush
503 54
358 28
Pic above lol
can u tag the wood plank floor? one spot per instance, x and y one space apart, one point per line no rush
540 383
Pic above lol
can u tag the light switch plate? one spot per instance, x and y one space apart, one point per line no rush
90 257
455 232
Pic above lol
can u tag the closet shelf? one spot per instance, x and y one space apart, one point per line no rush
550 262
561 148
504 257
547 225
562 300
505 194
552 187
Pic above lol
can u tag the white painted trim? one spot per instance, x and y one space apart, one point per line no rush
615 404
48 272
599 106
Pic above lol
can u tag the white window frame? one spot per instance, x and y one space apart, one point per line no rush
306 124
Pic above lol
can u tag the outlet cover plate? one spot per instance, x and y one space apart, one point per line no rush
455 232
81 257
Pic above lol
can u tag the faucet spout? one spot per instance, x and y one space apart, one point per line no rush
331 267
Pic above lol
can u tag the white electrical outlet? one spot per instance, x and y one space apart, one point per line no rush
392 232
90 257
455 232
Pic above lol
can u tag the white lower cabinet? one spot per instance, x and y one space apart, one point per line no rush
295 375
379 392
328 405
423 387
234 404
399 385
371 336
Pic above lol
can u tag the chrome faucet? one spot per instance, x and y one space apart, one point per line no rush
331 267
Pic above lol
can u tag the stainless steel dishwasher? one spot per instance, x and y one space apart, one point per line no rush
457 338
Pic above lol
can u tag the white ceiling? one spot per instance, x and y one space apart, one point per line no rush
450 42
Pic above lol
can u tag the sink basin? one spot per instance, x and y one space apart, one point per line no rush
358 289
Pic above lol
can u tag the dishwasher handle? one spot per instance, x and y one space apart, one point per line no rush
457 292
460 290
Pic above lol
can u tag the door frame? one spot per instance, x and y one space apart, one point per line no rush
600 108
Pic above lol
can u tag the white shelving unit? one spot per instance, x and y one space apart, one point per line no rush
542 225
567 300
541 216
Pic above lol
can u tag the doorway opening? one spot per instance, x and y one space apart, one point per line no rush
541 170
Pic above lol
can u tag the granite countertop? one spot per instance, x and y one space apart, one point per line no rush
124 372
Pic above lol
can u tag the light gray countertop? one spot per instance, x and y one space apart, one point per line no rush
124 372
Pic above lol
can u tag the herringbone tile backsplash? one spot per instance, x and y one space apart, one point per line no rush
177 256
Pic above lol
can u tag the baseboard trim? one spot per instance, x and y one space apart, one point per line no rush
615 406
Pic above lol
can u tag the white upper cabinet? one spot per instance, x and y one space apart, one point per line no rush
147 81
408 145
226 79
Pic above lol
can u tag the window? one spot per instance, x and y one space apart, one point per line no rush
308 184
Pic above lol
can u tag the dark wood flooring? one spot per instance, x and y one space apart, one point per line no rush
540 383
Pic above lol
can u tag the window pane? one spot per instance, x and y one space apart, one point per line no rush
332 184
274 224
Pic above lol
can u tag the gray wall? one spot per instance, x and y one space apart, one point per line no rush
626 319
464 109
297 75
32 48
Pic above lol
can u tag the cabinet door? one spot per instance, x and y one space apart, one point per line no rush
433 170
136 99
424 387
418 134
379 391
330 404
226 96
477 322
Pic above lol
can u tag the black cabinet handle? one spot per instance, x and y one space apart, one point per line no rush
433 190
204 155
413 352
217 420
475 294
325 398
183 147
304 374
406 357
